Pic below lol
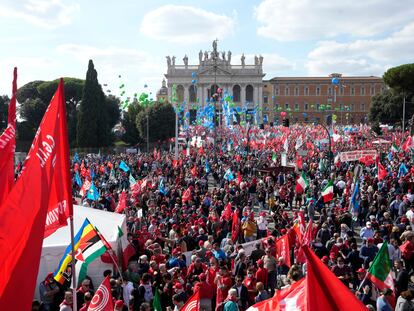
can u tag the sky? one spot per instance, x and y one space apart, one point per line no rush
128 40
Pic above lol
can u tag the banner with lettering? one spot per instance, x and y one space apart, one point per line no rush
283 249
43 187
356 155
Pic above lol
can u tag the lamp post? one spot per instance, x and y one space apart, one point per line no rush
147 132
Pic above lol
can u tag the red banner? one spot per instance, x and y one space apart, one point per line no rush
283 249
7 146
44 185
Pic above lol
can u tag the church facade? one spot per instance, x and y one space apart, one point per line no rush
214 76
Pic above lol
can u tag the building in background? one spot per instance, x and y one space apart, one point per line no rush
318 99
303 99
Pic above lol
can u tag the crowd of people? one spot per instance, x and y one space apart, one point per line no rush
209 221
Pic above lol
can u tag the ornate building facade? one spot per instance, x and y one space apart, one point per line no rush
198 84
304 99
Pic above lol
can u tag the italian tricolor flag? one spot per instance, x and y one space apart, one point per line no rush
301 183
274 157
380 271
394 148
327 193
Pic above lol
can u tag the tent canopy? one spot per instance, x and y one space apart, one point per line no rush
55 245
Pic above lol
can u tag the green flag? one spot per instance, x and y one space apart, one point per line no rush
380 271
274 157
120 232
156 303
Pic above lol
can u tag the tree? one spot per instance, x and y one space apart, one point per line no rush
4 109
161 119
400 78
131 135
387 108
32 111
112 110
28 91
93 128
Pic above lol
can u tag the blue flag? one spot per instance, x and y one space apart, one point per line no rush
78 179
229 175
161 187
402 170
389 156
355 198
93 193
92 173
207 167
76 158
123 166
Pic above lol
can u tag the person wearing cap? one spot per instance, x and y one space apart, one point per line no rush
223 282
195 269
367 231
206 292
119 305
250 283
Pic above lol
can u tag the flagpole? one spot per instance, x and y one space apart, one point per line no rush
73 268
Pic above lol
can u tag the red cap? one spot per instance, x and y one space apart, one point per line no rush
119 304
332 255
202 277
361 270
325 259
259 262
201 243
178 286
370 240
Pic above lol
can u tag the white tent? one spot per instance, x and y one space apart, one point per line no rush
55 245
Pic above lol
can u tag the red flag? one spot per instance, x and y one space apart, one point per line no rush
187 196
324 291
299 162
192 303
44 183
235 226
239 178
7 146
122 203
102 300
227 213
306 240
194 171
85 187
283 249
382 172
290 298
128 252
201 150
407 144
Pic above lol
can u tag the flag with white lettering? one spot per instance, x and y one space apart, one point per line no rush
7 146
43 187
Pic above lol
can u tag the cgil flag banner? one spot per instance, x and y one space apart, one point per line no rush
42 191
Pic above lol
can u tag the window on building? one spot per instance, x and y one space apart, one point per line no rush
362 91
277 91
286 105
265 118
249 93
296 91
296 106
363 107
317 106
372 91
318 91
306 106
342 90
306 91
329 90
287 91
236 93
265 99
352 91
352 107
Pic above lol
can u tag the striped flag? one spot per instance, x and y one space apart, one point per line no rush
380 270
88 247
302 183
327 192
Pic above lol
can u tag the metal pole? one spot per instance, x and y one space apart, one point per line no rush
403 120
147 133
176 135
73 262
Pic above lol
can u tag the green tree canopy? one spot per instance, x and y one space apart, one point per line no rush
161 119
400 78
387 108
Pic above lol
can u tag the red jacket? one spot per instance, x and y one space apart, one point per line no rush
206 290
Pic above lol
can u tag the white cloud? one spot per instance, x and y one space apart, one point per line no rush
185 24
272 63
364 57
313 19
137 68
43 13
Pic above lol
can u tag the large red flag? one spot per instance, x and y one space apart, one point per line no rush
102 300
192 303
382 172
23 215
122 203
307 238
290 298
283 249
7 146
235 226
324 291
